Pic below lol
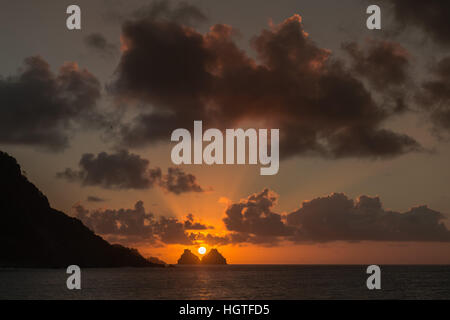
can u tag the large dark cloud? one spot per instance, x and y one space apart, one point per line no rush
136 225
434 96
430 16
125 170
39 107
177 75
331 218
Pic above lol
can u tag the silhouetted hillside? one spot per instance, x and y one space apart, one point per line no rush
35 235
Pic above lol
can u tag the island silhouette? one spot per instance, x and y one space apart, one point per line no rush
212 257
38 236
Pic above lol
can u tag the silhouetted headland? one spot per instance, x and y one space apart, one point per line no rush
156 261
212 257
36 235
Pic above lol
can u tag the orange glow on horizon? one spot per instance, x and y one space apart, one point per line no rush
332 253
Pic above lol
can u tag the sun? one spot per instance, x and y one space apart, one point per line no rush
202 250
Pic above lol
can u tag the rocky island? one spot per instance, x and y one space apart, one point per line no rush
188 258
212 257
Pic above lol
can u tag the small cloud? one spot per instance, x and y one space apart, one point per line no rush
190 224
95 199
97 42
177 181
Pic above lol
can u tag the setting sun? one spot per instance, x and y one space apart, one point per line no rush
202 250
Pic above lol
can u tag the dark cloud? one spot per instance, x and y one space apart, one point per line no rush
124 170
434 96
361 142
190 224
97 42
137 226
126 222
177 75
120 170
177 181
171 231
211 239
254 216
95 199
236 238
40 108
430 16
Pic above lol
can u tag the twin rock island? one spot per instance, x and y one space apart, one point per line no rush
212 257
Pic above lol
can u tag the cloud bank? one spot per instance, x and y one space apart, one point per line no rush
335 218
253 221
138 226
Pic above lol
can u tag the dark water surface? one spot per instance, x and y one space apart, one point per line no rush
229 282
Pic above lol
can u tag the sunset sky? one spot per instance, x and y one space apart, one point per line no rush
364 119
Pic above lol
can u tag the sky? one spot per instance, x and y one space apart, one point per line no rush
364 120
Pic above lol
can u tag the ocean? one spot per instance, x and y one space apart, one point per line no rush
257 282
